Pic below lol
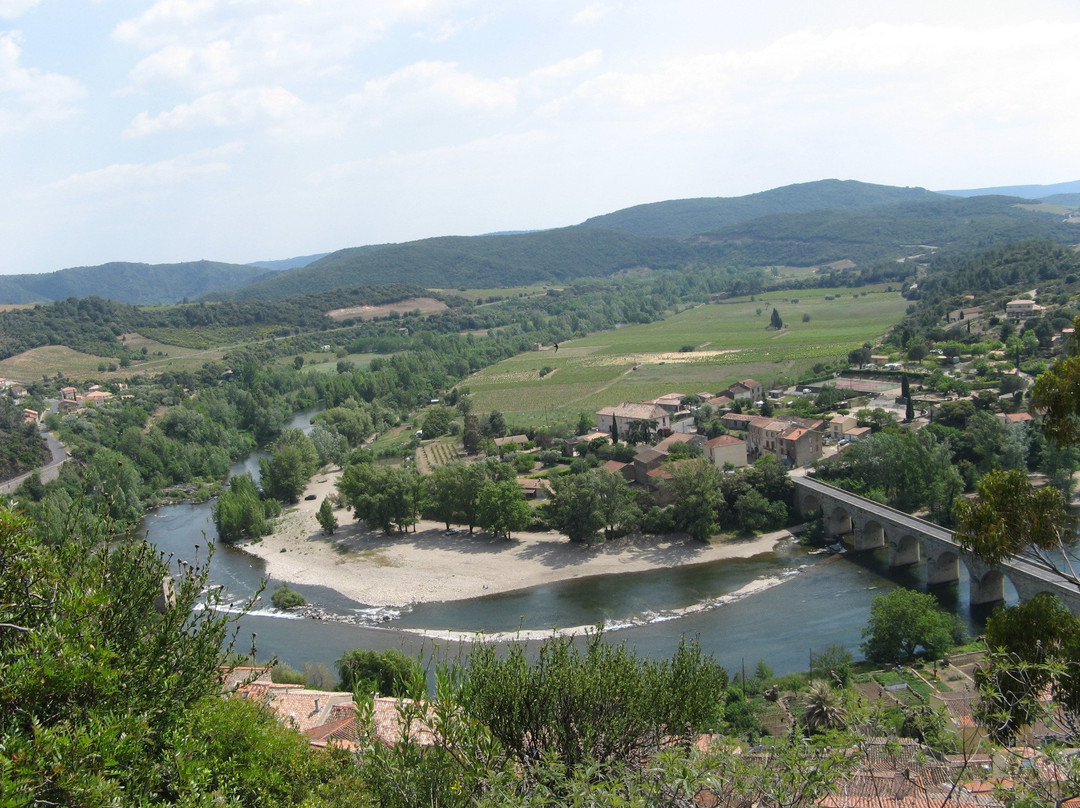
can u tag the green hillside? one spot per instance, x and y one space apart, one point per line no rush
887 233
549 256
140 284
681 218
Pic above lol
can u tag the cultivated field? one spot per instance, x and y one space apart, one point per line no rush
425 305
32 365
730 341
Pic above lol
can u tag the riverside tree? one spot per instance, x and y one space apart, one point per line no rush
903 621
327 521
241 513
583 505
385 497
501 507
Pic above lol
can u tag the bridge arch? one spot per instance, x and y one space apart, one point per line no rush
838 522
870 536
989 588
810 505
944 569
906 551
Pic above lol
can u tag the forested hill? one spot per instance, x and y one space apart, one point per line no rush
880 235
681 218
557 256
139 284
889 233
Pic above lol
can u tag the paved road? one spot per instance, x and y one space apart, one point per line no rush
51 470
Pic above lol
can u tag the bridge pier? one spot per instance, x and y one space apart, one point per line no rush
906 552
869 536
990 588
945 569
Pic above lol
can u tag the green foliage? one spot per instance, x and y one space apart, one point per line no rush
240 512
501 507
1033 648
914 470
327 520
598 704
383 496
107 664
583 505
824 709
833 665
285 474
902 622
699 497
387 673
1011 515
286 598
437 421
21 446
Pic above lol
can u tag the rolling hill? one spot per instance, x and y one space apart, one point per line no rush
140 284
548 256
682 218
864 236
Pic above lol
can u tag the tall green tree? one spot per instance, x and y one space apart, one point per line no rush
1009 516
902 622
327 521
1033 649
574 507
385 497
284 474
699 506
501 507
240 512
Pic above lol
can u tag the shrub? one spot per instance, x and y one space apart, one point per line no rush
286 598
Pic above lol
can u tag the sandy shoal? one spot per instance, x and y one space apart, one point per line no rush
378 570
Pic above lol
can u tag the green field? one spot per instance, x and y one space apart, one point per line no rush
731 341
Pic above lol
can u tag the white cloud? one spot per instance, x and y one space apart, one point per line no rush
813 78
221 109
569 67
592 13
441 84
123 178
208 67
28 97
10 9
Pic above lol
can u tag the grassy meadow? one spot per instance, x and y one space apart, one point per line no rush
730 340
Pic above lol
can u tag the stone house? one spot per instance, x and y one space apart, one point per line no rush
624 415
726 449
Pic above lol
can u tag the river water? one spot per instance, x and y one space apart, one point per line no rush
778 607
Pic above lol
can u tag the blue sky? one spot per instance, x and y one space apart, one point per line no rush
240 130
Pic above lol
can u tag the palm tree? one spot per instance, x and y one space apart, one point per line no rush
824 709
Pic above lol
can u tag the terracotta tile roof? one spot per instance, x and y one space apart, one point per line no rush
297 706
724 440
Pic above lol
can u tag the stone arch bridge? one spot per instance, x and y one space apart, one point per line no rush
916 541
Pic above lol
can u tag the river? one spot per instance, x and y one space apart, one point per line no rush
777 607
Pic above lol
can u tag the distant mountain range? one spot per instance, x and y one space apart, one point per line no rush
807 224
1023 191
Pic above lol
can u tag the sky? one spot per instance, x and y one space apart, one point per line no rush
245 130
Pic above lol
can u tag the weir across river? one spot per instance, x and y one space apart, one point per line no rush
914 541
